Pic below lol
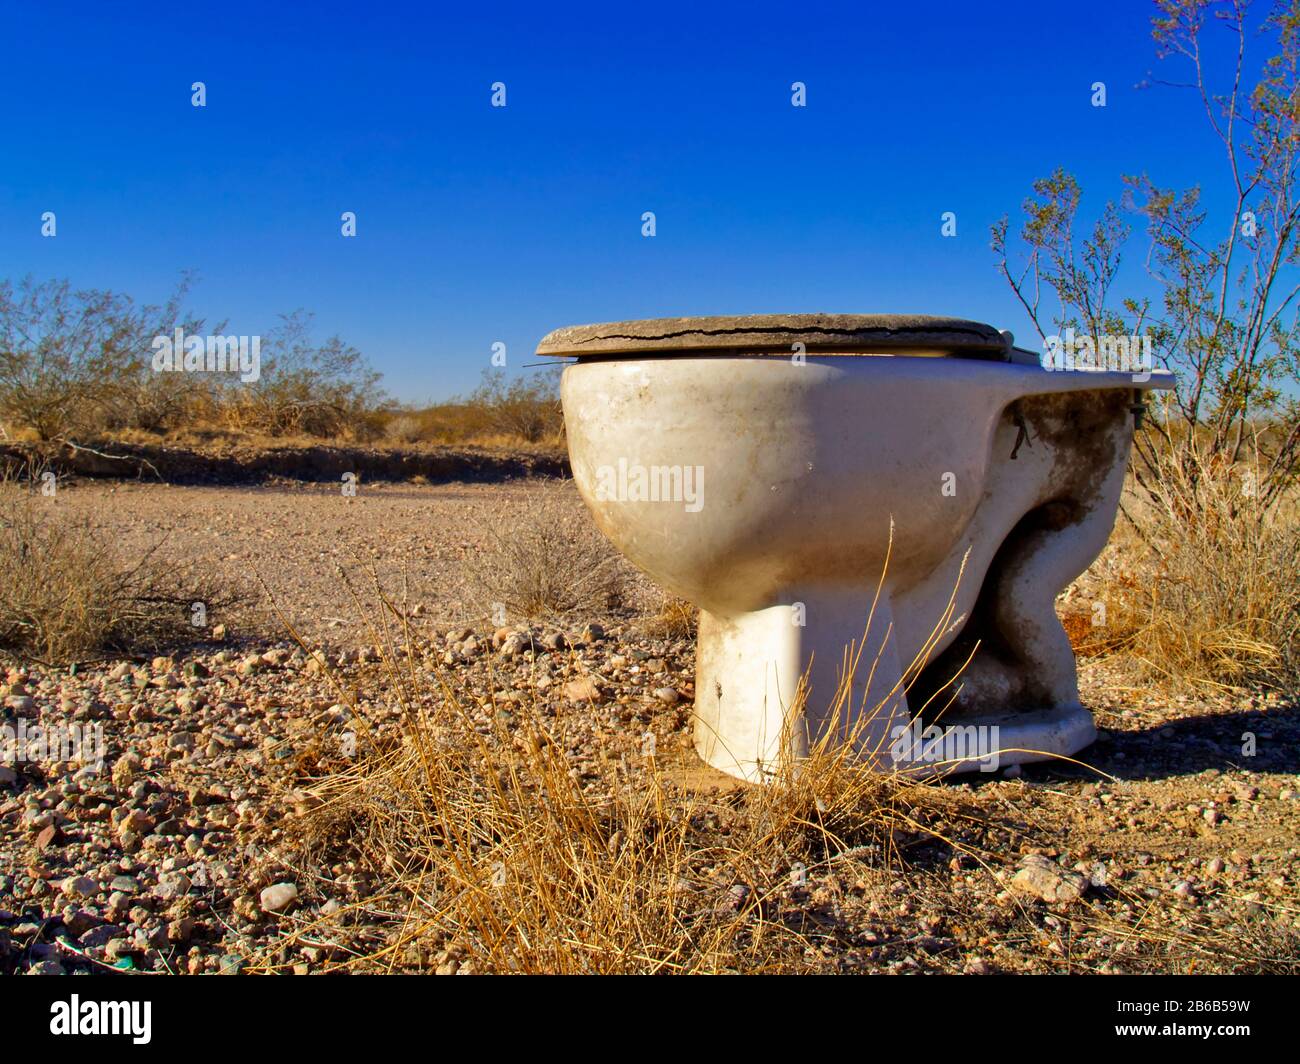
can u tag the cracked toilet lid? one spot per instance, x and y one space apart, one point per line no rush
776 334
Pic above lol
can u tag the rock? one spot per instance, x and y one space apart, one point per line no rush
181 930
736 896
79 887
584 689
219 633
667 695
250 665
1047 881
172 885
99 937
181 740
592 633
8 777
278 897
124 771
230 964
147 938
118 907
515 644
79 922
117 948
48 837
135 822
555 641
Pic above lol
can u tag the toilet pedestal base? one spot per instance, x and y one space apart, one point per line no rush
990 742
756 672
752 670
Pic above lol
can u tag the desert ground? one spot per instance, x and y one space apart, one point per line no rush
262 804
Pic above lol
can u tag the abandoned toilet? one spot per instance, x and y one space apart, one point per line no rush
875 515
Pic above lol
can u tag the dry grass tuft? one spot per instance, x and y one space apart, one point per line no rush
544 559
497 852
676 619
1202 589
66 596
500 850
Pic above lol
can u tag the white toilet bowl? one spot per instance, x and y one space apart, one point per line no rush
872 504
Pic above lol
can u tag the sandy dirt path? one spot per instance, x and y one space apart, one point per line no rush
295 538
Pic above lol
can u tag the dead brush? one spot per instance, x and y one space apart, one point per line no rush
676 618
498 850
1213 601
66 595
1266 944
544 558
495 851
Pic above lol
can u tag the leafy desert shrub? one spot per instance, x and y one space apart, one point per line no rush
525 411
305 388
76 361
527 407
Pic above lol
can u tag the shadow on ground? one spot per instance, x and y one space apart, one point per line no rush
1257 740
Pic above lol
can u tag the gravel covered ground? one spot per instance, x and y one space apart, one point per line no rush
1175 851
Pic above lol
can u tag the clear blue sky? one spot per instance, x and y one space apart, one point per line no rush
478 224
